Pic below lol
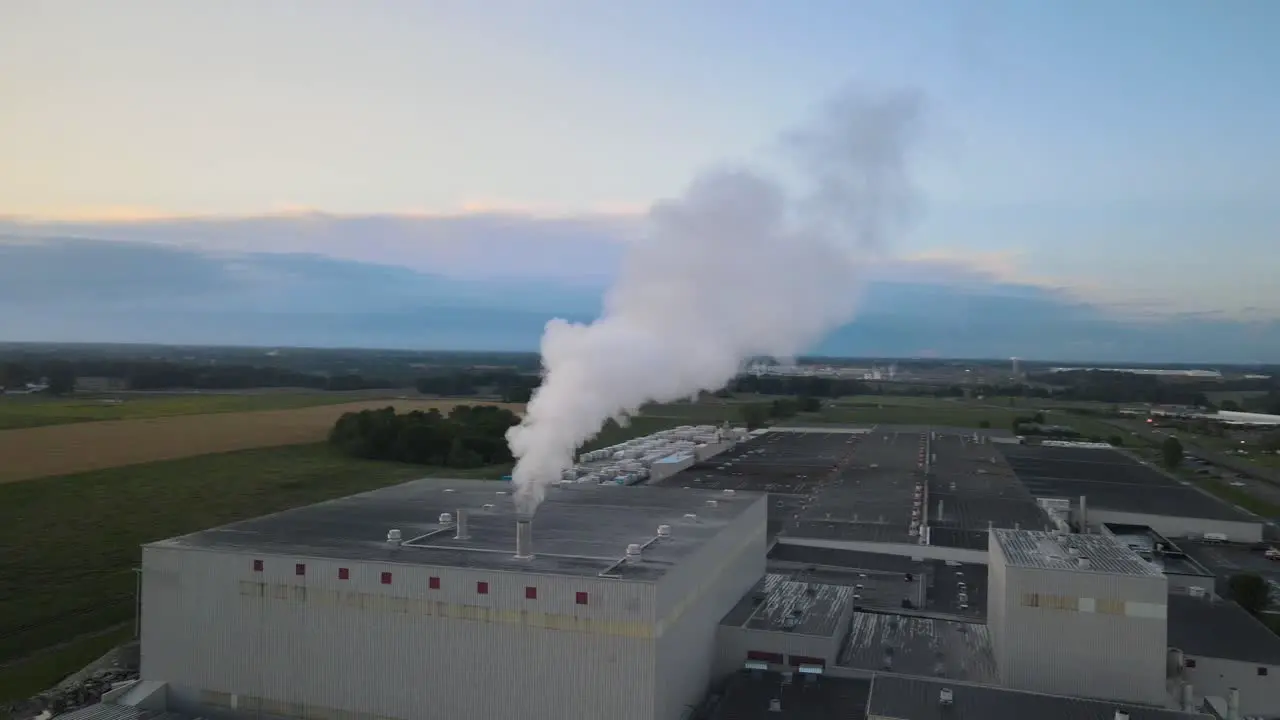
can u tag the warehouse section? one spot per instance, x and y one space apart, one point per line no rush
790 574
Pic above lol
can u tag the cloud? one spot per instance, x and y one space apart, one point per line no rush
76 289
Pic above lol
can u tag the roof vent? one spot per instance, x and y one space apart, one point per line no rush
393 536
1083 563
775 705
691 516
728 493
450 490
633 552
488 506
945 696
1122 715
712 503
664 531
446 519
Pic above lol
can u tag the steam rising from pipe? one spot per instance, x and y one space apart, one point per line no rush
736 268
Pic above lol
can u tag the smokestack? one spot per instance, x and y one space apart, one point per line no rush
1084 516
1188 697
811 236
524 538
461 526
1233 704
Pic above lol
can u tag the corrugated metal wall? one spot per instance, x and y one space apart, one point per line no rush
318 647
1087 634
695 597
1178 527
1259 694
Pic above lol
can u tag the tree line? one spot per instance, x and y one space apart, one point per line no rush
469 436
164 375
510 385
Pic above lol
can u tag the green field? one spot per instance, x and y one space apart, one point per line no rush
71 542
20 411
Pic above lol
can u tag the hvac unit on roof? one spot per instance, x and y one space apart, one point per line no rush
945 696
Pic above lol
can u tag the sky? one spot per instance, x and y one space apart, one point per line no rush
1120 156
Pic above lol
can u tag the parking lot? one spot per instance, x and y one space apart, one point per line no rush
1225 560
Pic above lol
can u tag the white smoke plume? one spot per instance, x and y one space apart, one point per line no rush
736 268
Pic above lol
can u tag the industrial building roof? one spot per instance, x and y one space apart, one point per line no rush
1144 541
780 604
104 711
1066 551
1112 480
972 488
870 497
919 646
579 530
1218 628
953 589
748 696
919 698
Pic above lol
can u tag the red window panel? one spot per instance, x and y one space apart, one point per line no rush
300 569
433 583
386 578
344 573
762 656
531 593
798 660
482 588
257 566
581 598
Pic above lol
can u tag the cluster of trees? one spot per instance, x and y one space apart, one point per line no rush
755 415
1251 591
1122 387
468 437
511 385
166 375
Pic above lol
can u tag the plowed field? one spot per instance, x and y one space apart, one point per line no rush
62 449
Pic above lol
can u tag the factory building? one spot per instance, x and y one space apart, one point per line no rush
807 574
1077 615
429 600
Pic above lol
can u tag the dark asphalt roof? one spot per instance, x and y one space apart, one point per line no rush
1111 481
1219 628
579 530
919 698
747 696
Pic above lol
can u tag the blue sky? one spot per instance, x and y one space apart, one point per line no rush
1121 155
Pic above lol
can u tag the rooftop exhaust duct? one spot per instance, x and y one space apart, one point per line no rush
1122 715
461 525
1233 703
1188 697
524 538
775 705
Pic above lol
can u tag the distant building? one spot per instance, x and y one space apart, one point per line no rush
100 384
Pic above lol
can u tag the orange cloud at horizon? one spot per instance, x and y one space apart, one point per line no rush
123 214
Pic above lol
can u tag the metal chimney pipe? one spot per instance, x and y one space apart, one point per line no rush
1233 704
1188 697
461 525
524 538
1084 515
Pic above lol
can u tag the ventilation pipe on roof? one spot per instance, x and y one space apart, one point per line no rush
1233 703
1188 697
461 525
1084 515
775 705
1122 715
524 538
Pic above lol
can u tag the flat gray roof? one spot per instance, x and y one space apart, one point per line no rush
919 698
1219 628
780 604
972 488
1052 551
1112 480
920 646
870 496
747 696
579 530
